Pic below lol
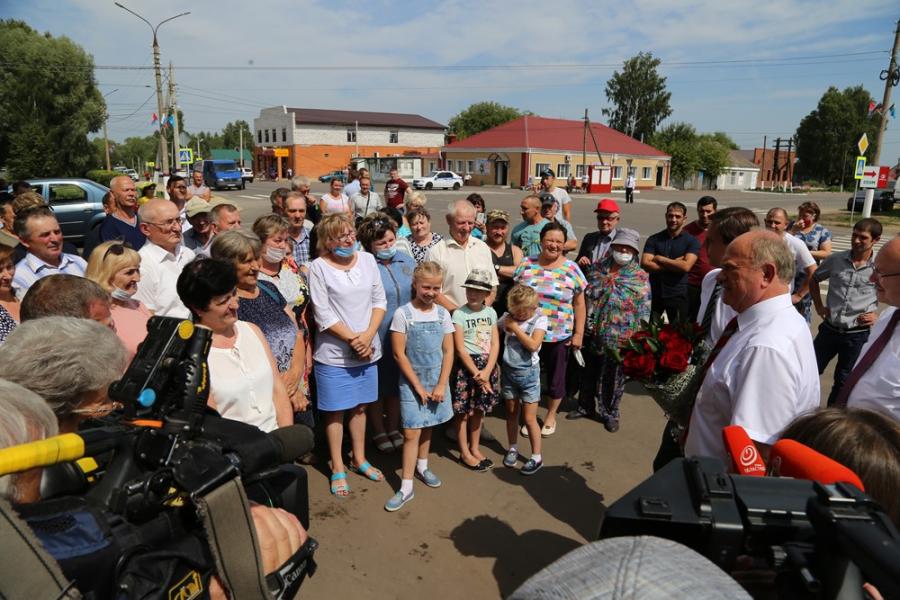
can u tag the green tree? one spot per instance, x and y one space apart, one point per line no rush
712 156
826 138
639 97
692 152
724 139
46 111
481 117
231 135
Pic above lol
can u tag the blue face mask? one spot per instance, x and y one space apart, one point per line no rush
386 253
345 252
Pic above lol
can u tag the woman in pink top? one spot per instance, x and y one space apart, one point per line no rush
115 266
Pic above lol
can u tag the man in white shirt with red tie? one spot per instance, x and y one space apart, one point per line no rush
762 373
875 380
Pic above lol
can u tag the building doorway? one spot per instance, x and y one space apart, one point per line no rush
501 169
659 176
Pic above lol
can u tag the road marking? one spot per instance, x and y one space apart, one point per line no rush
255 197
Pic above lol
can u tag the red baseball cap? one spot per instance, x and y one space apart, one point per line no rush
607 205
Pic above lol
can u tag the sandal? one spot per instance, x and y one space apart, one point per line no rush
368 471
385 445
339 486
396 438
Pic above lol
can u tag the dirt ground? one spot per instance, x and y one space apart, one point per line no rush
479 535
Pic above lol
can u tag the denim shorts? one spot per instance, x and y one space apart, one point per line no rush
521 384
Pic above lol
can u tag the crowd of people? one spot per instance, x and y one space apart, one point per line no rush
347 312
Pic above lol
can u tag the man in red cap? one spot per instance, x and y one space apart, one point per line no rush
596 244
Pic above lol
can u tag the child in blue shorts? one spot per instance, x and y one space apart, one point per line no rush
520 376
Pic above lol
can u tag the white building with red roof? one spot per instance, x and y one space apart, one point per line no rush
514 152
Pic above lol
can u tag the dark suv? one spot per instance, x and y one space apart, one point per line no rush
77 203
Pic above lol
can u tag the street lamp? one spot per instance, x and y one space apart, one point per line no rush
105 132
199 139
163 153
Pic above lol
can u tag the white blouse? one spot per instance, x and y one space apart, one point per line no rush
242 381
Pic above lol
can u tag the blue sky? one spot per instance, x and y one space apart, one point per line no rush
552 58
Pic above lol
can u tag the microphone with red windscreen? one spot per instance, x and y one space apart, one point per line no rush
790 458
745 458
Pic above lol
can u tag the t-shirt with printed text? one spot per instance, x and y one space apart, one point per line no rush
477 328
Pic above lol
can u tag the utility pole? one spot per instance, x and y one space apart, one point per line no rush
890 76
241 144
584 149
790 167
761 182
164 158
775 172
173 106
105 132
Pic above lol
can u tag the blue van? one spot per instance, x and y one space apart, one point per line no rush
220 174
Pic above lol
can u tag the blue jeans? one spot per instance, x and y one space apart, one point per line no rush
831 342
521 384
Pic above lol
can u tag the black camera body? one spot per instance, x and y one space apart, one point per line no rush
822 541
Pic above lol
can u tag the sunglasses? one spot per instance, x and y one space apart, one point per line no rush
117 249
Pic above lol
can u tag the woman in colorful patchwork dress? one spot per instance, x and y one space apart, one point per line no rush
560 285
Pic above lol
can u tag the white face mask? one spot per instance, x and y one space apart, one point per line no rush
120 294
622 258
275 255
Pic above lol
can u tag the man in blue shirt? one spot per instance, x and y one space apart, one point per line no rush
527 234
122 223
668 257
39 232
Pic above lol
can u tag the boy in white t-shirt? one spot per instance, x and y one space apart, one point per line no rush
520 380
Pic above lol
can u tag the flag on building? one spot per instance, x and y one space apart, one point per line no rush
154 119
871 106
891 111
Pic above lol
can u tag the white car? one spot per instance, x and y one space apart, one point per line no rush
439 180
247 174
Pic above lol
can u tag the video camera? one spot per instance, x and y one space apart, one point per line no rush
822 541
164 461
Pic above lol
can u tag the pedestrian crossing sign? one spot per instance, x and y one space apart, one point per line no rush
860 167
185 156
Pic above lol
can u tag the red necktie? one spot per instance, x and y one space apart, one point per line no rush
867 360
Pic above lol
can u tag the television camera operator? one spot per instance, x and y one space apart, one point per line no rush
40 361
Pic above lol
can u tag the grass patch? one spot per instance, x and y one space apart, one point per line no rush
841 218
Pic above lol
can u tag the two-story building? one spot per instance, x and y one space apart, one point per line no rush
313 141
513 153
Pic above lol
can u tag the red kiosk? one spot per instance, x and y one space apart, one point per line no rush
599 179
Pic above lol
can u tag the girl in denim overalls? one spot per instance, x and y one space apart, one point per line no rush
422 339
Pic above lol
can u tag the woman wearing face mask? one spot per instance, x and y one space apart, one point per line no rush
277 265
618 297
263 305
115 266
349 303
378 236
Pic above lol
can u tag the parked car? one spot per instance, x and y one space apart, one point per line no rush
882 201
77 203
220 174
247 175
127 171
439 180
339 175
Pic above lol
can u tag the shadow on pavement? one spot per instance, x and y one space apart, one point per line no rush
518 557
564 494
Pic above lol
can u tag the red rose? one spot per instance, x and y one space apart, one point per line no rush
679 345
675 360
667 333
638 366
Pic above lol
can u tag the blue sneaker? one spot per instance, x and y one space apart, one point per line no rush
531 467
511 457
397 501
428 478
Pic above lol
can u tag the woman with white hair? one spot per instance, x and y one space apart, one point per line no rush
71 369
24 418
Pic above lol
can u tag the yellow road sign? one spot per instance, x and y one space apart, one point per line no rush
863 144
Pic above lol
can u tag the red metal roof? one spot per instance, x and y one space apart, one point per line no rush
559 135
349 117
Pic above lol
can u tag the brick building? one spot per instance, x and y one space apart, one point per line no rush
775 167
315 141
514 152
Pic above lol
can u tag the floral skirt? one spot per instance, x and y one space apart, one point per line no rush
468 396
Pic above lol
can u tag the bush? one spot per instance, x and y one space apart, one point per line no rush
101 176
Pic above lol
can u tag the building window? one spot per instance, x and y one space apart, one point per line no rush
267 136
274 136
394 137
580 171
432 166
470 166
539 167
283 134
351 135
617 172
646 173
459 166
732 178
259 136
562 170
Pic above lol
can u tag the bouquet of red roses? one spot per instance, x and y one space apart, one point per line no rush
665 358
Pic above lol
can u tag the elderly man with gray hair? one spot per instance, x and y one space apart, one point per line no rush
162 259
300 183
73 382
762 373
460 253
24 417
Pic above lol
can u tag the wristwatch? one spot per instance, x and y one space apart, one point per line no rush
497 268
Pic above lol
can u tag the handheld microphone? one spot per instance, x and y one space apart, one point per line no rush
745 458
790 458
